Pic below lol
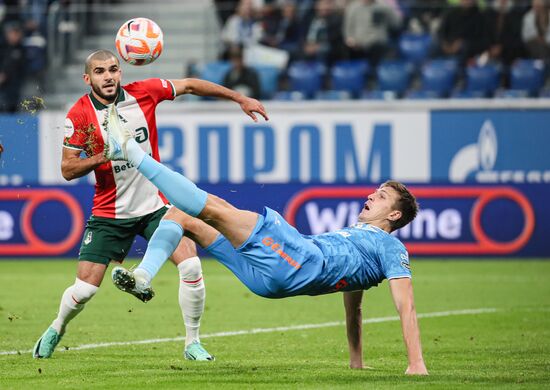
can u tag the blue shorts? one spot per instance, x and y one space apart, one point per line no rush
276 261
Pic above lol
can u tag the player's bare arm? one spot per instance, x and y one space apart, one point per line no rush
354 327
73 166
403 298
206 88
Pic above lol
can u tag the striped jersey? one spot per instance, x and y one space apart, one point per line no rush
120 190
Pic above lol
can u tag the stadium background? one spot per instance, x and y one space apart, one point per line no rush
480 163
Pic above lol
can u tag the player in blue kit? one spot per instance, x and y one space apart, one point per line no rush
275 261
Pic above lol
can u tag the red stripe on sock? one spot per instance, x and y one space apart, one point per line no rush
78 303
192 281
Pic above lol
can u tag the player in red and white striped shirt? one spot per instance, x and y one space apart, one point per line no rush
125 203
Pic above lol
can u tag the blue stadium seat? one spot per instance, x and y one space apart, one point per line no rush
269 80
379 95
349 76
512 94
439 76
394 75
333 95
289 96
422 95
215 71
306 77
527 75
465 94
415 47
484 79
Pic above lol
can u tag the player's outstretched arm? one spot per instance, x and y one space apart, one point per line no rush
354 327
206 88
73 167
402 293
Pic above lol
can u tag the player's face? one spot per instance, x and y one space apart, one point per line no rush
104 78
379 209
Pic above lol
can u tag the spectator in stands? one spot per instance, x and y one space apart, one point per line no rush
536 30
463 33
425 16
240 77
12 68
504 28
324 39
241 27
289 34
269 20
225 8
34 42
367 28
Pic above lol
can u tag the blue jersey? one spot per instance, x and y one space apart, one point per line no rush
277 261
357 258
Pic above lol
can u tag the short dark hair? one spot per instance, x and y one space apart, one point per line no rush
101 55
407 204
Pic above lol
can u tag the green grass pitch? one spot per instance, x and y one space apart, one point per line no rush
509 347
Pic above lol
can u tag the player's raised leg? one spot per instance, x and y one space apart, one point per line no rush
88 279
235 224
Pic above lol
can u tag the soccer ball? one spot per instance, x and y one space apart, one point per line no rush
139 41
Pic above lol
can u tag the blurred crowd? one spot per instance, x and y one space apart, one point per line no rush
23 26
469 31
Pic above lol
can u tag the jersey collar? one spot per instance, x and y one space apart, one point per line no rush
100 106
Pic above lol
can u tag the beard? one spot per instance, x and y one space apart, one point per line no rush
109 97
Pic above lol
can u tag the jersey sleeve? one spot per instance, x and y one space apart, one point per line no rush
76 131
159 89
395 260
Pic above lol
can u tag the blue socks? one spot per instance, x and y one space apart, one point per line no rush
178 189
161 246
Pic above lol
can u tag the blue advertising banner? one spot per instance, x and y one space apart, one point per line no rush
455 220
490 146
306 144
19 136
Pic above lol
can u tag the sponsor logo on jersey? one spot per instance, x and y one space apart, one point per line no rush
123 168
275 247
141 135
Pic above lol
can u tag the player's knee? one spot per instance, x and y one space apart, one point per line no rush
190 270
176 215
216 207
83 291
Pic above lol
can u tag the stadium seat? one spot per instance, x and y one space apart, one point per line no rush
269 79
333 95
482 78
527 75
465 94
289 96
379 95
512 94
349 76
415 47
439 76
394 75
422 95
306 77
215 71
